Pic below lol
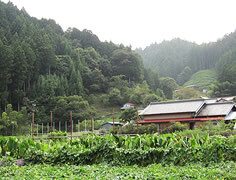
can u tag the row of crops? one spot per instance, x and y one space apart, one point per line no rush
123 150
140 150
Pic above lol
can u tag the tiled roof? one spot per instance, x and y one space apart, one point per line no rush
216 109
168 107
131 104
231 115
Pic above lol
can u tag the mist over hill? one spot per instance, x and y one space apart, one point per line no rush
171 58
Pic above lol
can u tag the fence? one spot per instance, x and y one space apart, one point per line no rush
69 127
72 127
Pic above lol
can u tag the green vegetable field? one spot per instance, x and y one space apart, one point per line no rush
168 156
103 171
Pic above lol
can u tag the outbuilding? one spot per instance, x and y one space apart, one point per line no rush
109 125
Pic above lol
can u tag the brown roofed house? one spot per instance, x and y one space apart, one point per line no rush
192 112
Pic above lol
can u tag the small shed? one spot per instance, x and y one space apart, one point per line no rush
109 125
127 106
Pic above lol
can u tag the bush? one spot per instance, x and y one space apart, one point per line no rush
128 115
148 129
176 126
57 133
143 129
128 129
222 128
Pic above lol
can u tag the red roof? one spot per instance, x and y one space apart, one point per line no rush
180 119
130 104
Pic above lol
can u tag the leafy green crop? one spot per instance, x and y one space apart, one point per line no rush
105 171
124 150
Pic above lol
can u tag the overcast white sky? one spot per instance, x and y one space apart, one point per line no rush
140 22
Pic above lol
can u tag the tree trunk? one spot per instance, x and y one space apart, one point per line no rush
49 70
0 109
29 84
18 106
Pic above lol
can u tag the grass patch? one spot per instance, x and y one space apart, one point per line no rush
203 79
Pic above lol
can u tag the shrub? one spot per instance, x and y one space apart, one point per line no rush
176 126
57 133
148 129
143 129
128 129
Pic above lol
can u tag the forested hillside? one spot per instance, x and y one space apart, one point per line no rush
180 59
46 69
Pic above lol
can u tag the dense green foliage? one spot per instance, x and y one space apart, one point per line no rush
169 58
43 65
104 171
129 115
209 128
226 67
124 150
57 134
186 93
13 122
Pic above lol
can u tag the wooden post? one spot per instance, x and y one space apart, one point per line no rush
137 123
51 126
113 120
66 126
91 122
71 124
32 125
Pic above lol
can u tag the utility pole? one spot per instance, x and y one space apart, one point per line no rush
51 126
137 123
113 120
32 126
91 122
71 124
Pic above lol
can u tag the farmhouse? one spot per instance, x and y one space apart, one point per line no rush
192 112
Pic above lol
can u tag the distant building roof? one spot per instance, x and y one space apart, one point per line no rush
111 123
169 107
228 98
216 109
210 100
130 104
127 106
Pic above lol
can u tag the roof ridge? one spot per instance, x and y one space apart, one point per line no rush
178 101
226 102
